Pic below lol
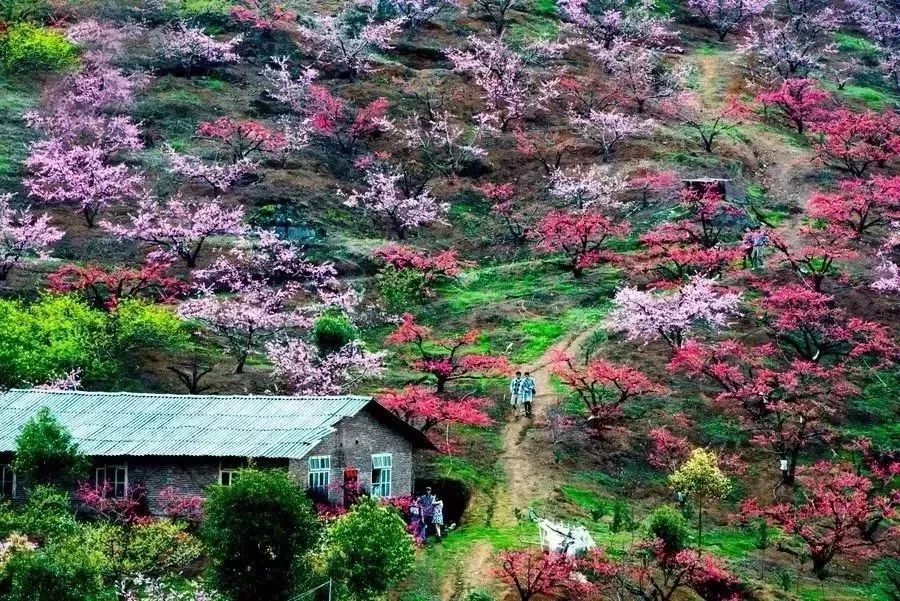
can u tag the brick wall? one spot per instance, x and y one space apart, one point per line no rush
358 438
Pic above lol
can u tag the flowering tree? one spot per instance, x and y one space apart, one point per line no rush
102 41
263 15
667 451
220 177
179 506
23 235
400 209
709 122
307 370
533 573
518 219
725 16
496 12
426 410
672 316
834 503
888 271
241 138
855 142
580 237
798 101
652 185
604 387
858 205
605 23
609 129
78 176
191 49
643 77
180 226
415 13
813 260
447 359
437 143
434 267
586 188
510 92
340 45
105 288
880 20
127 508
549 148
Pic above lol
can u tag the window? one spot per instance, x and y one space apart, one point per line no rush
113 479
381 475
320 473
7 482
227 477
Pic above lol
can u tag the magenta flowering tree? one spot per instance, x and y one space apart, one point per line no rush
726 16
78 176
605 23
180 226
340 45
239 139
510 91
189 48
23 235
264 16
400 209
672 316
610 129
309 371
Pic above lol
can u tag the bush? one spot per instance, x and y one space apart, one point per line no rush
622 518
480 596
400 289
159 548
668 525
45 452
56 334
369 550
27 48
333 330
15 11
47 516
56 574
254 532
200 12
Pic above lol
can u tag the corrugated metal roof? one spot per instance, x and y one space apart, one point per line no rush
126 423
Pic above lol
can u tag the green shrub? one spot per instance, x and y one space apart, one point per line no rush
159 548
45 452
16 11
27 48
622 518
56 574
400 289
254 532
480 595
333 330
46 516
369 550
200 12
761 538
667 524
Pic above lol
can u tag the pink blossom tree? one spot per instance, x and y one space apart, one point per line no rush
609 129
532 574
651 185
263 15
855 142
191 49
419 406
496 12
107 287
78 176
415 13
587 188
672 316
340 45
726 16
401 210
220 177
309 371
434 266
242 138
580 236
605 23
667 451
817 254
888 270
437 143
102 41
180 226
23 235
642 76
880 20
799 101
510 91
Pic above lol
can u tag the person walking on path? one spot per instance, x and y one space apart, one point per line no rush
437 517
528 391
515 392
426 506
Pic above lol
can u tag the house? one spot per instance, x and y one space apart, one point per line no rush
192 441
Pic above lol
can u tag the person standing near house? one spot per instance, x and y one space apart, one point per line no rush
515 392
528 391
426 506
438 517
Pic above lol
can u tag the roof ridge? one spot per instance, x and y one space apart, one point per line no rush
330 397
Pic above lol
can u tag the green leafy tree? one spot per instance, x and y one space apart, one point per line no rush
27 48
57 573
369 550
254 532
670 526
46 453
700 478
46 516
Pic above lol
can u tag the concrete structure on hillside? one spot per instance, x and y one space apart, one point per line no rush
191 442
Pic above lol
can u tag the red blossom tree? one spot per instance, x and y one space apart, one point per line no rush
859 205
827 517
445 359
667 451
441 265
581 237
518 219
798 101
179 506
654 186
855 142
426 410
106 287
534 573
263 15
126 509
813 260
604 387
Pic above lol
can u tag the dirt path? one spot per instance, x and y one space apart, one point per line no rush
528 465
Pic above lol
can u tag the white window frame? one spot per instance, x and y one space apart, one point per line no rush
232 472
7 474
319 472
383 462
100 483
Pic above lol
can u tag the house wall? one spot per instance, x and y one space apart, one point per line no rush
358 438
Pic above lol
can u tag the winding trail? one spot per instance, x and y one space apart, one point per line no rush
528 465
